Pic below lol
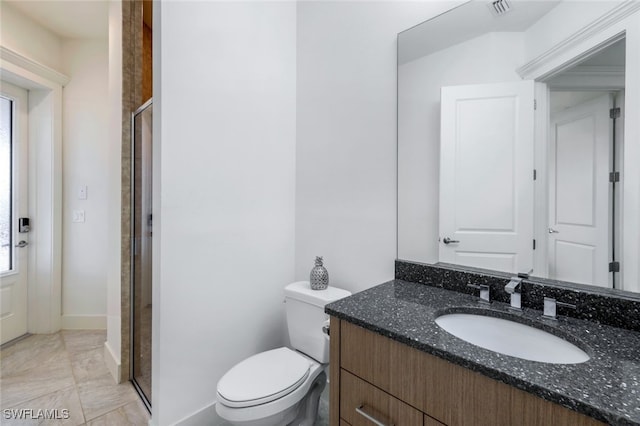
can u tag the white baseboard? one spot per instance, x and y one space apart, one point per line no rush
207 416
112 361
84 322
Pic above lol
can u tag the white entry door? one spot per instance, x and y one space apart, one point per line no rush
13 205
579 199
486 176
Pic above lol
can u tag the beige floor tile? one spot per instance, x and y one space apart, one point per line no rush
88 364
65 399
35 382
31 352
100 395
132 414
83 340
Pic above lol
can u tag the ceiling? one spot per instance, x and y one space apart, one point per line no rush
465 22
68 19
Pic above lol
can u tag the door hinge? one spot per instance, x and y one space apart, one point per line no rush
614 113
614 177
535 174
534 244
535 104
614 266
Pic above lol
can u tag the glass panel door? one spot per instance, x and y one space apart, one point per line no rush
6 193
141 232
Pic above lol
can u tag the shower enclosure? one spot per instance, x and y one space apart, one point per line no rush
141 238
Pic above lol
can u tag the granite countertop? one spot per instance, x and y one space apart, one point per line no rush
607 387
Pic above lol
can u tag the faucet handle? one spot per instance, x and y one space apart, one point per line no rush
485 292
550 307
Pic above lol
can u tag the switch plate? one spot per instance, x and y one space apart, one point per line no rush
78 216
82 192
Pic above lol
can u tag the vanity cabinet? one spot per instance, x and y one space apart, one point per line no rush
372 375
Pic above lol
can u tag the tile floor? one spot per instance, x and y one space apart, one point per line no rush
66 370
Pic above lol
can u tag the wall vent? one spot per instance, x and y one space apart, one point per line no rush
499 7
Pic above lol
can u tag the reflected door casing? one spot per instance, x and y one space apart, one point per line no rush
486 175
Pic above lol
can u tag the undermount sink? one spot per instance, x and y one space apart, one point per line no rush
512 338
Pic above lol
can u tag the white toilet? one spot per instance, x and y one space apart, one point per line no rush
282 386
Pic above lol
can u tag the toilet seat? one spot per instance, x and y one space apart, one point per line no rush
263 378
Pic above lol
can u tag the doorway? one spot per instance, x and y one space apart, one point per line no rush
585 173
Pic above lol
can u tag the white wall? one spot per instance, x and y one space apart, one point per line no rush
22 35
346 136
114 155
562 22
225 240
490 58
85 148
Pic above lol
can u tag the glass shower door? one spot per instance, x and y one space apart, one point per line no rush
142 233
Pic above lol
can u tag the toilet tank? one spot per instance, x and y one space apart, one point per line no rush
305 317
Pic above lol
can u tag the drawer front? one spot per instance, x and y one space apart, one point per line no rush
361 403
430 421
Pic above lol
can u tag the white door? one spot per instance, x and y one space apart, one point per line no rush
13 205
486 176
579 204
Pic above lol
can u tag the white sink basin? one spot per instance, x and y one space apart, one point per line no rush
512 338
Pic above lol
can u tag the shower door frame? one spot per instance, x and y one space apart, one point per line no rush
143 396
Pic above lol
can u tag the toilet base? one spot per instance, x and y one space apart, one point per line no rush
302 413
308 411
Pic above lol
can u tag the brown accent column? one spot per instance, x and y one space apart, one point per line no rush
132 35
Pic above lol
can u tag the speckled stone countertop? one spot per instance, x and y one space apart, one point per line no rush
607 387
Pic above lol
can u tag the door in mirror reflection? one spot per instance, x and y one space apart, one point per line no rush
486 176
580 197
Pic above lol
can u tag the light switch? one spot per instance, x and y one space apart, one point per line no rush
82 192
78 216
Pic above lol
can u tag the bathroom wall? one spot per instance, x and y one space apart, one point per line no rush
114 189
346 136
224 123
85 147
22 35
490 58
560 23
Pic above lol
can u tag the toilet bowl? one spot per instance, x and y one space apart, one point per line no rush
272 388
282 386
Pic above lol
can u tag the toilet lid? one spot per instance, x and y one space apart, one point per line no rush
263 378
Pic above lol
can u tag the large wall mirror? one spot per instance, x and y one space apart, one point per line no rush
519 140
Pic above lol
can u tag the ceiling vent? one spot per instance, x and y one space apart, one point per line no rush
499 7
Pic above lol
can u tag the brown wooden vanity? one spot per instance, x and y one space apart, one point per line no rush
372 375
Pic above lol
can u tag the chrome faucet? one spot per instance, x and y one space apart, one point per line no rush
514 288
485 292
550 305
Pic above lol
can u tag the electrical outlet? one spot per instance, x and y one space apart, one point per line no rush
78 216
82 192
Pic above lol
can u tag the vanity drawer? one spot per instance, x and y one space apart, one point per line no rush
359 399
449 393
430 421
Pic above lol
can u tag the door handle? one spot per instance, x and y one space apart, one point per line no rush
22 244
448 240
553 231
